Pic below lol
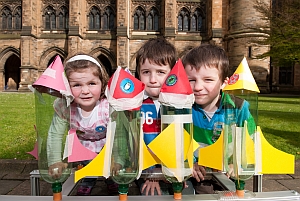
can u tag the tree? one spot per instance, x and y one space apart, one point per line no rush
281 30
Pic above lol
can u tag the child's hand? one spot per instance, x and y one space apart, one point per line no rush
198 172
151 185
55 170
230 172
116 168
225 82
185 185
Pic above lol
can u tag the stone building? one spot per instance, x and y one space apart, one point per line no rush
33 32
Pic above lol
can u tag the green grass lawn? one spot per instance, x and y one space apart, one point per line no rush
17 120
279 118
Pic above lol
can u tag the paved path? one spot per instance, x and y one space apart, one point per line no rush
15 180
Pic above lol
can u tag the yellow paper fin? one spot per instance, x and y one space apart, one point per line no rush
195 145
149 158
212 156
163 146
94 168
275 161
249 149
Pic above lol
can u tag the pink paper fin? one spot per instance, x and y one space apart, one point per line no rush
79 152
34 152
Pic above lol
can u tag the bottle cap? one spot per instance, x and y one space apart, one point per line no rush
57 196
79 166
123 197
240 193
177 196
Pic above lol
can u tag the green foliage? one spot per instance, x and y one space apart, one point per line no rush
281 30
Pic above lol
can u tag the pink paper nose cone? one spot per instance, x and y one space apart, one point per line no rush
53 77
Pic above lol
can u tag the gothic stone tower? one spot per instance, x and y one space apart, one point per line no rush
237 39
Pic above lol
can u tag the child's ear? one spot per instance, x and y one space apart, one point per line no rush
225 82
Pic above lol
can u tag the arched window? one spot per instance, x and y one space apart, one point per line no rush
197 20
111 21
152 19
185 23
6 16
18 18
50 18
149 22
63 18
139 19
108 19
180 23
94 18
194 22
104 20
183 20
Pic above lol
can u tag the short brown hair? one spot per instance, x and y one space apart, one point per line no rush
80 65
208 55
158 51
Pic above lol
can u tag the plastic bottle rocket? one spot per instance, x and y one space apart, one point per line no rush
242 150
240 104
51 86
176 100
125 96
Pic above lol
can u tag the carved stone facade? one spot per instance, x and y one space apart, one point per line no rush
113 30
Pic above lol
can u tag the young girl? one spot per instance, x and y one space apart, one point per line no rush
88 114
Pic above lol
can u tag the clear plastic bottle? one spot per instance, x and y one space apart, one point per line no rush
44 114
126 145
239 135
182 120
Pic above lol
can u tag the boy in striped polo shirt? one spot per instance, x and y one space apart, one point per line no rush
154 61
